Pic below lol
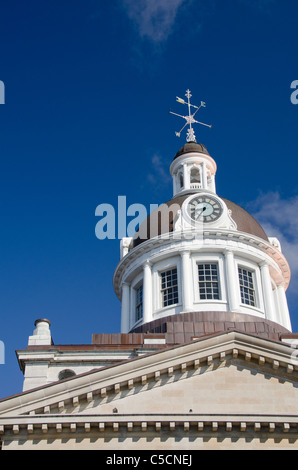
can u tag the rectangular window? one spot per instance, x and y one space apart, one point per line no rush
247 290
139 302
208 281
169 287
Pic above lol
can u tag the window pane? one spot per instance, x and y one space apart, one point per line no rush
169 287
208 281
139 302
246 283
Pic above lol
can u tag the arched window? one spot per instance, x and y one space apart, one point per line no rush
195 177
65 374
181 181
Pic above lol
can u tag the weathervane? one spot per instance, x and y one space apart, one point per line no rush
190 118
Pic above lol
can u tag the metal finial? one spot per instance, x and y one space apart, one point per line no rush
190 118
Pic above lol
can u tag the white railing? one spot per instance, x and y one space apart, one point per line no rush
195 185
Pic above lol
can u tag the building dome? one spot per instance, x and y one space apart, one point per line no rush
199 252
152 226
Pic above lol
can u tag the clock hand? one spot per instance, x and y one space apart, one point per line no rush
204 208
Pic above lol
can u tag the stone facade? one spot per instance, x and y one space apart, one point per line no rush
224 391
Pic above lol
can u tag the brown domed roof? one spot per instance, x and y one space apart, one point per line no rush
192 147
156 225
245 221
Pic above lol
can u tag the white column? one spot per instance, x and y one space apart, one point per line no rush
204 176
283 307
186 281
270 311
186 177
175 184
147 292
213 188
232 281
125 307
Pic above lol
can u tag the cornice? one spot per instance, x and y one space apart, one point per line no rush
43 427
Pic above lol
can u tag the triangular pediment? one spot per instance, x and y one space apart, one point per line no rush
223 378
224 360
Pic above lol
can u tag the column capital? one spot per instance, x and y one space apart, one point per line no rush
263 264
184 253
147 263
281 284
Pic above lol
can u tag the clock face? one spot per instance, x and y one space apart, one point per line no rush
204 209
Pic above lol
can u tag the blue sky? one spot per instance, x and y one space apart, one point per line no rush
88 86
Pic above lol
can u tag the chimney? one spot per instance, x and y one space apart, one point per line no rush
41 334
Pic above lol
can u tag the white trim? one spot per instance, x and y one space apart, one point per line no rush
125 307
186 281
217 258
147 291
259 308
163 265
231 281
238 241
249 251
134 286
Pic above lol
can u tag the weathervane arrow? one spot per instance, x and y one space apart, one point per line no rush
190 118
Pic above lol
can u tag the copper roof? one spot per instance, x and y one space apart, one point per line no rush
192 147
185 327
156 224
176 329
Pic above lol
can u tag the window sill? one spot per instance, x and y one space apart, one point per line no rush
137 323
210 301
168 307
251 308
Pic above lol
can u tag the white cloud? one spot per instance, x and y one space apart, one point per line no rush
159 176
279 218
154 19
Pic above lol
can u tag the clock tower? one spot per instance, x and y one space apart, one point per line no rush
201 258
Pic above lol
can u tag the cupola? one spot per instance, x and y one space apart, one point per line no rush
193 169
